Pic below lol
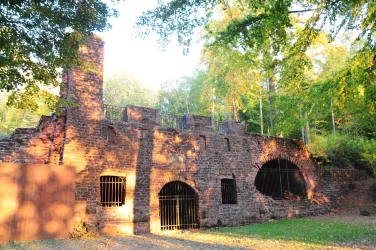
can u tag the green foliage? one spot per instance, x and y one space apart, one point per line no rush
187 95
178 17
344 151
38 39
12 118
121 89
259 21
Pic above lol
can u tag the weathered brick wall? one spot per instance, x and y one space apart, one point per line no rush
35 145
150 156
37 201
142 114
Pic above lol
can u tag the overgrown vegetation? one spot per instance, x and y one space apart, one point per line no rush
344 151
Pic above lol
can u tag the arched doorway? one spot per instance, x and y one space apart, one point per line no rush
178 206
281 179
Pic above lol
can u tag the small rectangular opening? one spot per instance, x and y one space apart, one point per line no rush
112 191
145 133
227 142
228 190
203 142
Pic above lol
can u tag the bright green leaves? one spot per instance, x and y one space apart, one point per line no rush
38 39
179 17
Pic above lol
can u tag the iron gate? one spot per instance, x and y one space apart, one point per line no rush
281 179
178 206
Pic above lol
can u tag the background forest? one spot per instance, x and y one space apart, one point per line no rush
307 81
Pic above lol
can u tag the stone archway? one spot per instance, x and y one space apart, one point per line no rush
281 179
178 206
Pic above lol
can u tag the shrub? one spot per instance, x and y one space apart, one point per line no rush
344 151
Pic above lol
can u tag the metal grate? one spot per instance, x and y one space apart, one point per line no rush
112 191
178 207
114 112
172 121
228 189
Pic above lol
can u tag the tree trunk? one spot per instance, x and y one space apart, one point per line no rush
307 135
187 104
235 110
271 90
333 120
261 116
212 111
301 118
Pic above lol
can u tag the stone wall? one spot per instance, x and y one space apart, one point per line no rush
37 201
142 115
35 145
149 156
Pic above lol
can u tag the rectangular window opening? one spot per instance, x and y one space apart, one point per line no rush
227 141
112 190
203 142
228 190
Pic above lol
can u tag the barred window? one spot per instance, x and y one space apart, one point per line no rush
112 191
228 189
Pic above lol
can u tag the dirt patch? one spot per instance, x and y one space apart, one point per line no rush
359 198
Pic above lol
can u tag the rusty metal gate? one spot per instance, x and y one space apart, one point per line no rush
178 206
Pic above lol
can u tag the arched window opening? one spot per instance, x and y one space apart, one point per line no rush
178 205
281 179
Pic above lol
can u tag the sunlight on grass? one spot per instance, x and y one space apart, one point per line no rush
318 233
304 230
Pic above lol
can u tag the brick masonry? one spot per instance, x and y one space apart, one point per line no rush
150 156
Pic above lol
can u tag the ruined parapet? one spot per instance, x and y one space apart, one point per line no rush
142 115
41 145
233 128
198 123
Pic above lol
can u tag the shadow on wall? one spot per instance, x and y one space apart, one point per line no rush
37 201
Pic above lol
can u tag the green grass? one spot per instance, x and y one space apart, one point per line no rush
306 230
344 232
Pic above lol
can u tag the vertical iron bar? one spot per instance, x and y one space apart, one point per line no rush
288 181
280 180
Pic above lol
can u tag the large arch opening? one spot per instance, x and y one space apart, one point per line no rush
281 180
178 205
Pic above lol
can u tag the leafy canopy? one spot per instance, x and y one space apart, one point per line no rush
260 21
38 39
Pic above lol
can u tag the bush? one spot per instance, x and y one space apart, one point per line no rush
344 151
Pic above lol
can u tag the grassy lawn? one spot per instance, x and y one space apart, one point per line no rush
330 232
314 231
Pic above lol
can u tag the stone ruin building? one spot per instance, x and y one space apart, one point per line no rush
138 173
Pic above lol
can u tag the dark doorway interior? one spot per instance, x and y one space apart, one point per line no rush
281 179
178 206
